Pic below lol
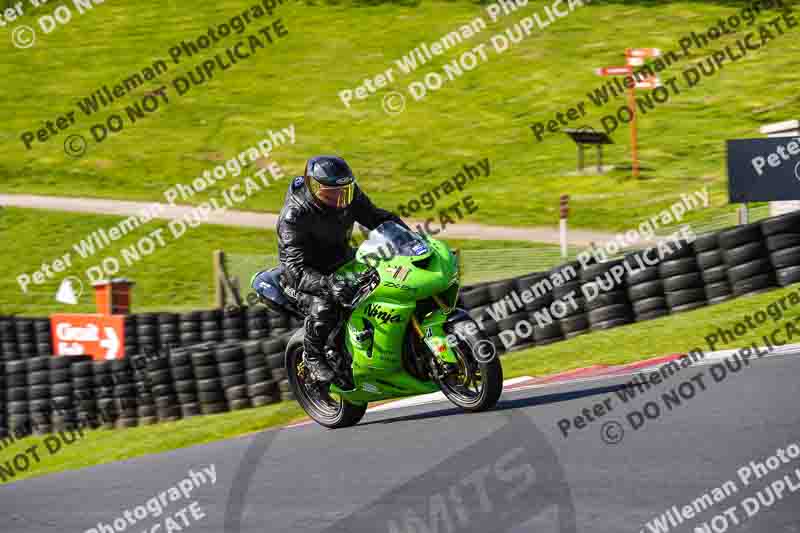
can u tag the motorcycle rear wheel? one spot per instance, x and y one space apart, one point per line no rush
331 411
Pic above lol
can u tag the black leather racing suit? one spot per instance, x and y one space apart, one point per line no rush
313 241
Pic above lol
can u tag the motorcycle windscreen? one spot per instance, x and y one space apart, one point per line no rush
392 238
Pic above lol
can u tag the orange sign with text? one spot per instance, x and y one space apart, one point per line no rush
101 336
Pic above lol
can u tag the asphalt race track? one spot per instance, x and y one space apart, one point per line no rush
430 468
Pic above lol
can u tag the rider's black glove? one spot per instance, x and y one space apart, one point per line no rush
341 290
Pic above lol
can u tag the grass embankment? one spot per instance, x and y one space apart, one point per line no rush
176 275
678 333
486 113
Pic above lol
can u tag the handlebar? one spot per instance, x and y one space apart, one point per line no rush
366 283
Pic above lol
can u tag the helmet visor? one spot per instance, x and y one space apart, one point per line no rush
338 196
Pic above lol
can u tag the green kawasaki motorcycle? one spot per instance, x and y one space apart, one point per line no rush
401 336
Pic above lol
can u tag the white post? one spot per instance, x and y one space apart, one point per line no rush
563 213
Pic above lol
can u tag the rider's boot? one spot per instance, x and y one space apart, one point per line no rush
318 367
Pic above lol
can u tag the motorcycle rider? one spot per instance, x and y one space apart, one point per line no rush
314 230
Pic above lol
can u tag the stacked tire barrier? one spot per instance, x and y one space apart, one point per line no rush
83 399
749 269
512 310
8 340
257 322
209 389
545 334
150 332
714 268
181 372
62 413
161 385
574 321
714 271
44 394
782 240
131 337
274 348
610 306
16 395
684 288
38 394
146 410
645 288
230 359
3 422
24 338
146 332
258 380
103 389
476 299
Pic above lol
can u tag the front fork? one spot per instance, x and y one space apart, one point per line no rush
431 330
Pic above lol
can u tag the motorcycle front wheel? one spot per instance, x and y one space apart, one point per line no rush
329 410
476 383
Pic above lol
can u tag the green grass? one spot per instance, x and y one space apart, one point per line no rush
486 113
175 276
674 334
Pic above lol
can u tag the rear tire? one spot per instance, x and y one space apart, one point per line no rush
490 372
331 412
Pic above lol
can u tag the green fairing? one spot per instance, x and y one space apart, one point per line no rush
378 369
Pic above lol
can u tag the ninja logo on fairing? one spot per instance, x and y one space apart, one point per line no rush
373 311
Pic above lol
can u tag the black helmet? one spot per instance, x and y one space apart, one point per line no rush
330 181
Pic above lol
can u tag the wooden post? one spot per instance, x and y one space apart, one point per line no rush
219 285
229 285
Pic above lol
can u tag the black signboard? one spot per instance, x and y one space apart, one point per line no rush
764 170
